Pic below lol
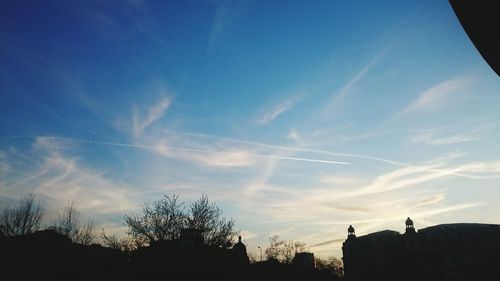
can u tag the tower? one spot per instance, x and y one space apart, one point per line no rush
409 226
350 232
240 251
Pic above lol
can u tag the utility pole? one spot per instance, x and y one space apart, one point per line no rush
260 253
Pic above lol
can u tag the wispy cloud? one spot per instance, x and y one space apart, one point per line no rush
418 174
154 113
222 158
216 155
337 96
320 200
327 242
371 205
294 135
432 138
363 136
248 235
271 114
225 12
341 180
123 20
455 134
437 96
211 158
284 148
60 178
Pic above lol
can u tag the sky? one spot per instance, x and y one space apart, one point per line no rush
297 118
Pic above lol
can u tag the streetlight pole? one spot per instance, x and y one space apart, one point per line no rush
260 253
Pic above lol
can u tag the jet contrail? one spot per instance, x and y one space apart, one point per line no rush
287 148
138 145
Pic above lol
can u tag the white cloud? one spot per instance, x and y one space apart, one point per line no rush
154 113
122 20
278 149
454 134
200 153
226 157
225 13
294 135
229 158
437 96
355 79
312 210
341 180
364 136
273 113
316 202
419 174
320 210
61 179
247 235
403 177
431 138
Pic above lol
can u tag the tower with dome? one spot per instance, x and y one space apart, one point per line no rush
458 251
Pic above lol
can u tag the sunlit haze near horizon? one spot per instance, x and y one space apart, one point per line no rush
297 118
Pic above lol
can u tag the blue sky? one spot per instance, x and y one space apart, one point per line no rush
297 118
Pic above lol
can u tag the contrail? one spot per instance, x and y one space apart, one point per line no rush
330 153
286 148
327 242
138 145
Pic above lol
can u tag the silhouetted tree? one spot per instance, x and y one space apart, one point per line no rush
69 223
161 220
253 257
165 218
331 265
111 241
283 250
125 244
208 219
24 218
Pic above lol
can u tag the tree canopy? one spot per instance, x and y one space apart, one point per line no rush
164 219
25 217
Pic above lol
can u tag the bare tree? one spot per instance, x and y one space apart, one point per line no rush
332 265
69 223
24 218
253 257
272 252
165 218
208 219
283 250
161 220
126 244
299 246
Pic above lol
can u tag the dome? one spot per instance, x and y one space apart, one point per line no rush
409 222
241 251
240 247
350 232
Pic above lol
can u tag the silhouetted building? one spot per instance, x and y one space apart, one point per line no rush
240 250
410 229
48 255
350 232
463 251
304 260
